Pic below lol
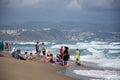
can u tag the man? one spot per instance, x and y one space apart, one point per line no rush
37 46
43 49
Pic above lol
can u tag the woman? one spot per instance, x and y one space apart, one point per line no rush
66 55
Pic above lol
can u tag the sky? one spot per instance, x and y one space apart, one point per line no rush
87 11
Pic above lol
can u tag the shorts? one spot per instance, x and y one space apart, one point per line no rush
44 53
77 57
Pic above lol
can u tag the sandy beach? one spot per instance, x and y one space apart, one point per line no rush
12 69
15 69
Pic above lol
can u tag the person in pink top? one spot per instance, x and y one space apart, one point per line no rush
61 52
61 55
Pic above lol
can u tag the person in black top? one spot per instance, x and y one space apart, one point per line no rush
66 55
37 46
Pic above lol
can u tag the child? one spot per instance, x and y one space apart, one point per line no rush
30 57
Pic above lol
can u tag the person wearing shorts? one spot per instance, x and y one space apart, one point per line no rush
77 56
43 49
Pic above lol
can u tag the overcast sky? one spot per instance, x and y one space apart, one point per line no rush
89 11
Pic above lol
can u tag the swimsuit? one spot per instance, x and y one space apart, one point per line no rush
77 57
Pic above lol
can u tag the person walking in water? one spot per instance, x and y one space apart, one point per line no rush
43 49
37 47
77 56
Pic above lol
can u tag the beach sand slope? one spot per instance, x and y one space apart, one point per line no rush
12 69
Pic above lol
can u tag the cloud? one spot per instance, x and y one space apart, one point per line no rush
69 4
21 3
57 10
103 3
100 3
74 4
92 4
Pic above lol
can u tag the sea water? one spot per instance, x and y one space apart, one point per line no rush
104 54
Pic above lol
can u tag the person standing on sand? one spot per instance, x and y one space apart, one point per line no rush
43 49
61 52
66 55
37 46
77 56
61 55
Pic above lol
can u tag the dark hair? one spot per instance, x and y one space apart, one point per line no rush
26 52
66 48
42 43
51 55
30 53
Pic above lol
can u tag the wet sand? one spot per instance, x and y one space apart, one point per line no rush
89 66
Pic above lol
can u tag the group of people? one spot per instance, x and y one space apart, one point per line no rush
65 55
42 47
61 58
46 57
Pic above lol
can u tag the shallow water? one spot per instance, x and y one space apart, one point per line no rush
89 71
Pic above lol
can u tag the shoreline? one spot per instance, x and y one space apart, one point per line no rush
37 69
91 71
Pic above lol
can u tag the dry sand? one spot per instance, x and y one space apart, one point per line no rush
12 69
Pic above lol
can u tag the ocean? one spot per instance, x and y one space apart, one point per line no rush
102 54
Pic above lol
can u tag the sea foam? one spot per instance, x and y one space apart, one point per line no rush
105 75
